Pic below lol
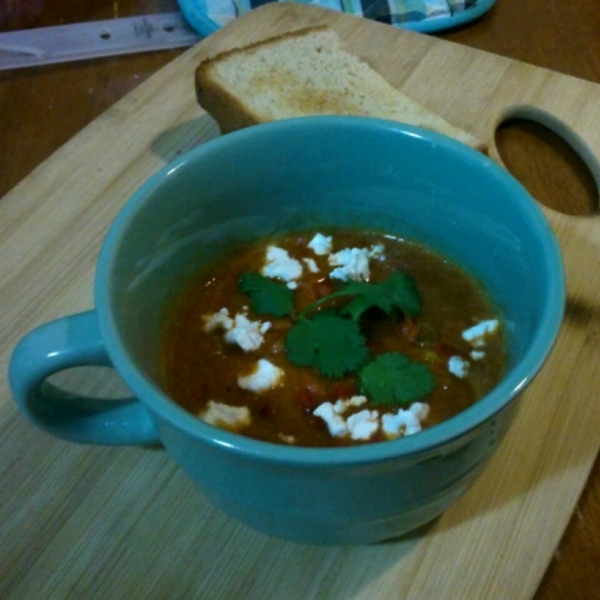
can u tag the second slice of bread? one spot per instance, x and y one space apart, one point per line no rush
305 73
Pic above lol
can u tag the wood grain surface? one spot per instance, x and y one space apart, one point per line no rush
96 522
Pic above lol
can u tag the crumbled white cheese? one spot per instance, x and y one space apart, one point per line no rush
292 285
357 401
362 425
280 265
219 320
335 423
406 422
477 354
223 415
458 366
377 251
311 264
351 263
320 244
248 335
264 377
476 335
288 439
341 405
420 410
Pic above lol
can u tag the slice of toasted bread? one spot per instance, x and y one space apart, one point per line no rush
306 72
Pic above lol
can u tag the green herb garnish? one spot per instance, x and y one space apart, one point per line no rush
394 378
398 292
331 340
267 296
332 344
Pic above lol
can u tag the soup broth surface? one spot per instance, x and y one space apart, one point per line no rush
235 368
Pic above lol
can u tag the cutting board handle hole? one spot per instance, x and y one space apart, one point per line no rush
550 160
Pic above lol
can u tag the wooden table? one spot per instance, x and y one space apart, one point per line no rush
42 108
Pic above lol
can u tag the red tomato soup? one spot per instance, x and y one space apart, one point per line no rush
331 338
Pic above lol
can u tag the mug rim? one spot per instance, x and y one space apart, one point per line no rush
513 382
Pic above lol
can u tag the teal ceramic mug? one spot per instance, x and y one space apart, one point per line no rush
341 171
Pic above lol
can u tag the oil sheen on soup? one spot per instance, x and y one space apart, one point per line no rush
331 338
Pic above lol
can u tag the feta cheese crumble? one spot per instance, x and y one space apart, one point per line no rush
365 423
280 265
264 377
248 335
458 366
219 320
335 423
351 263
377 251
476 335
223 415
341 405
320 244
408 420
477 354
356 401
362 425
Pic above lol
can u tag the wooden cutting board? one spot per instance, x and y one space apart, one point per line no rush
96 522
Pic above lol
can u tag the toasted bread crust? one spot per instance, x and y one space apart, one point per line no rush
227 110
206 63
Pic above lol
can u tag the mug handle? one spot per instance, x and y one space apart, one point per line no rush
73 341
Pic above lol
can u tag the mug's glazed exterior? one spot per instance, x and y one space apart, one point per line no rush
296 174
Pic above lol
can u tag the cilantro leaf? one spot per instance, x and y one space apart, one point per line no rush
332 344
267 296
393 378
397 292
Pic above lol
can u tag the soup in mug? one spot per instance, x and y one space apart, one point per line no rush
333 338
